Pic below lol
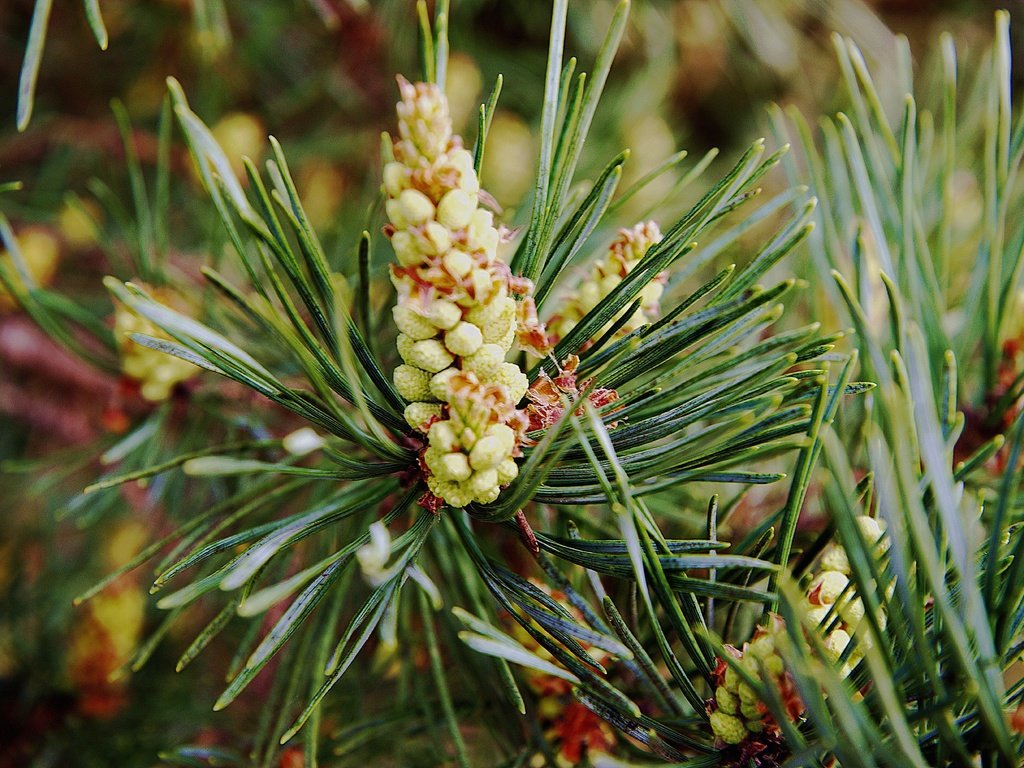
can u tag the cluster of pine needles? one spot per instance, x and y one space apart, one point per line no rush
695 467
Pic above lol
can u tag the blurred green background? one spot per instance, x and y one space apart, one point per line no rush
319 75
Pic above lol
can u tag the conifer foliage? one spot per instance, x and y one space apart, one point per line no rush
489 438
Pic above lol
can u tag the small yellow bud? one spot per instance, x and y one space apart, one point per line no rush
486 362
750 710
395 178
443 314
506 341
834 559
487 453
455 466
418 414
78 224
446 489
40 252
430 355
396 215
871 531
853 612
836 643
726 701
493 448
482 282
405 248
747 693
156 372
504 433
136 366
732 679
443 436
774 665
241 135
462 159
870 528
439 383
404 344
433 454
438 237
487 314
412 323
480 220
416 207
464 339
814 615
829 585
483 481
486 497
456 208
589 296
508 471
412 383
497 330
513 379
728 728
485 239
762 647
453 493
458 263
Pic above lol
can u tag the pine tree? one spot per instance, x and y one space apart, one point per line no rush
520 523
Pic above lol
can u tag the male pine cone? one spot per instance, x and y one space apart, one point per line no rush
456 312
156 373
831 608
622 256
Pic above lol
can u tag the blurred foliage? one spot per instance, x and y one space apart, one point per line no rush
318 75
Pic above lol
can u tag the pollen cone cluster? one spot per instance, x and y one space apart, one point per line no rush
831 608
738 716
622 256
156 372
832 604
456 310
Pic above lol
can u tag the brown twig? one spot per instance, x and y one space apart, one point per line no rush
529 537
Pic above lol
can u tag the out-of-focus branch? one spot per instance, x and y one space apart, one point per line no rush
57 395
